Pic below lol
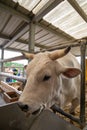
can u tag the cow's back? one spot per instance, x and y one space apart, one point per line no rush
69 60
70 87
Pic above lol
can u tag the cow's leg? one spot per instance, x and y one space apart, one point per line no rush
74 104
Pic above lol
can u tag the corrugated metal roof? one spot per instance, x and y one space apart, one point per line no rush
57 26
63 16
32 5
40 5
1 41
3 19
25 36
13 23
83 4
67 19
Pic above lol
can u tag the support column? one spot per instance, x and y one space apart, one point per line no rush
82 99
31 37
2 64
2 57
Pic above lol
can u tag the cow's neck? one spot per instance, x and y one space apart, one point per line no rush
63 85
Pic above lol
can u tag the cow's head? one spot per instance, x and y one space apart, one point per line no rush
42 80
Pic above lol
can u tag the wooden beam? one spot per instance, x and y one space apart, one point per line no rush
77 7
5 87
46 9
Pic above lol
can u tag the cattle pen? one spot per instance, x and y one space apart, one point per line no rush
34 27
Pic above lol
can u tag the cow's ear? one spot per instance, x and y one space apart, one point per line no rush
71 72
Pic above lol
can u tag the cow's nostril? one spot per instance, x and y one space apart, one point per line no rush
24 107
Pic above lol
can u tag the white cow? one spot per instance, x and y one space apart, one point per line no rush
52 77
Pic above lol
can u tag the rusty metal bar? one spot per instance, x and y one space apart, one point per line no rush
13 59
55 108
19 78
82 91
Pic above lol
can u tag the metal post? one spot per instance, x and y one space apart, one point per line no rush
31 37
2 57
82 91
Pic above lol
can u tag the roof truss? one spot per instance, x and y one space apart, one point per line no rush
48 7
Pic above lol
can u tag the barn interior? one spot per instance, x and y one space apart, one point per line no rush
43 25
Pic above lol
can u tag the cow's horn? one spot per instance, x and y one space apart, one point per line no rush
28 55
59 53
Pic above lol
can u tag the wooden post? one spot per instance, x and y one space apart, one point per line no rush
82 99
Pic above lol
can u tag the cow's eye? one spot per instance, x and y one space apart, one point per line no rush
46 77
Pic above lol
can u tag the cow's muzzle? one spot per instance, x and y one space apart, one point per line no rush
24 107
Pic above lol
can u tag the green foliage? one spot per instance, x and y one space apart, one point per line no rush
11 64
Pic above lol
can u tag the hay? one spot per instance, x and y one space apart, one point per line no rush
77 112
